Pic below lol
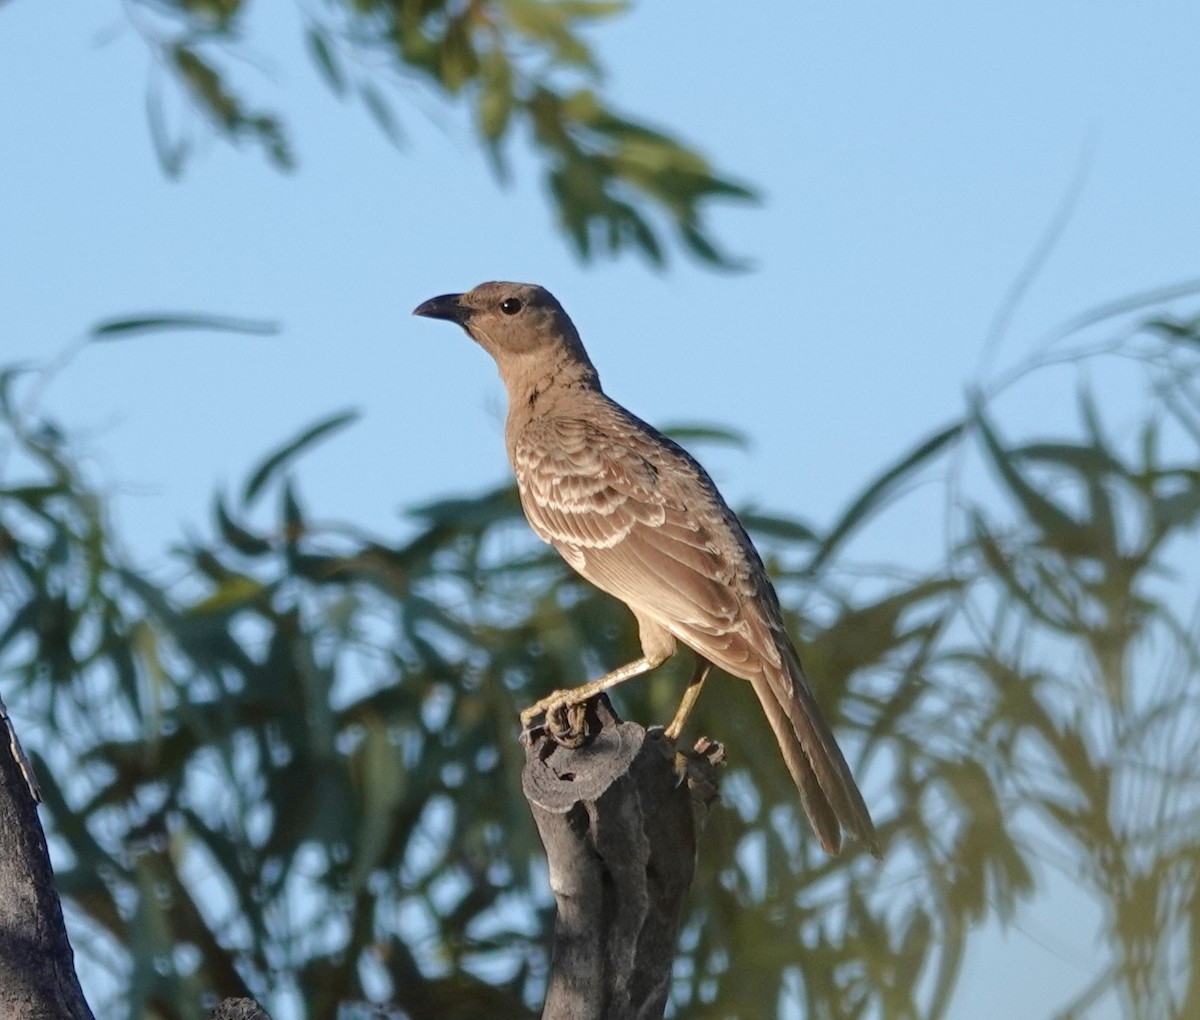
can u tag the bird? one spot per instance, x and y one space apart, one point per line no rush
633 513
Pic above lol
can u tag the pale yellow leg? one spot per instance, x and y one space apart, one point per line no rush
695 685
578 695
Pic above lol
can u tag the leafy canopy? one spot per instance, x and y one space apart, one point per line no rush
525 70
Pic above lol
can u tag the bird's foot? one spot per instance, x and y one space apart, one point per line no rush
567 723
565 719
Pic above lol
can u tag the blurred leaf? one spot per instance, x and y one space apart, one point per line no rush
294 526
209 90
32 495
116 329
285 454
381 113
1173 328
381 788
501 504
549 21
1088 461
238 537
685 434
1058 526
999 562
172 155
1094 465
323 56
233 592
596 157
1180 508
880 490
496 98
24 619
777 527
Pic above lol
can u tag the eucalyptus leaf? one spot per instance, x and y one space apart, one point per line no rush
279 459
170 322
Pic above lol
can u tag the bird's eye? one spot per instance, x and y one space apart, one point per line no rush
510 306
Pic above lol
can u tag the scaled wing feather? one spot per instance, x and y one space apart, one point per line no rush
627 525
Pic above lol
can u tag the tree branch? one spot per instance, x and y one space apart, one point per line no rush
37 967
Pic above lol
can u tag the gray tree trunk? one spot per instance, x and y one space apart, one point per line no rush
37 967
619 816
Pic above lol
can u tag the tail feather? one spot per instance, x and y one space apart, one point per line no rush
828 793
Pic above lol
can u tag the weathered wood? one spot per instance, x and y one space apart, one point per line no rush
619 812
238 1009
37 967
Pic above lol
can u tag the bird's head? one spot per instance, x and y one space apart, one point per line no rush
506 319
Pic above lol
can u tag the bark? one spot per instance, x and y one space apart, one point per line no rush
37 967
238 1009
619 815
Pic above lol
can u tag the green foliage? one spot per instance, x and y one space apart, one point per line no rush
294 769
524 67
120 329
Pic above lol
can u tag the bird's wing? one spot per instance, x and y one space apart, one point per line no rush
636 516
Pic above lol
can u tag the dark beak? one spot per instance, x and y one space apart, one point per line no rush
445 306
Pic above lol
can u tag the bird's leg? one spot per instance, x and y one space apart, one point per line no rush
578 695
695 685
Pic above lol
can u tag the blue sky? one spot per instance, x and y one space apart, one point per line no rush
909 156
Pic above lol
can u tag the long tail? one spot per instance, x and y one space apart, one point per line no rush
828 793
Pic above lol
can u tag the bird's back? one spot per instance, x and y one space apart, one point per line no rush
634 513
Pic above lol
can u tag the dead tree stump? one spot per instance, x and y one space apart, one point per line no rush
619 815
